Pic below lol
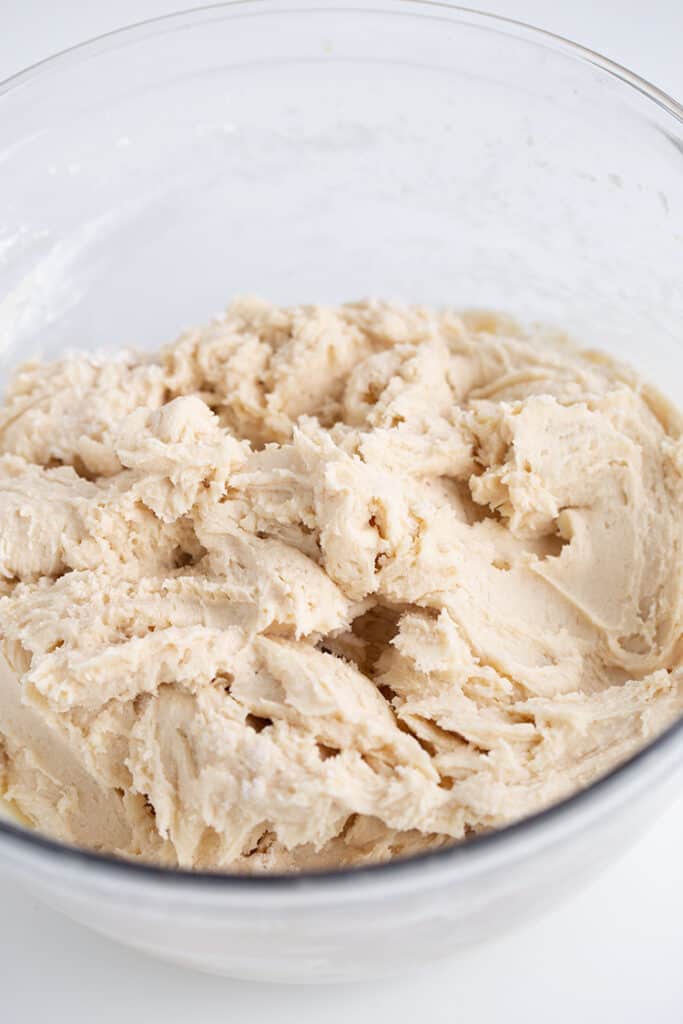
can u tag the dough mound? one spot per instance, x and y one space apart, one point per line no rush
319 586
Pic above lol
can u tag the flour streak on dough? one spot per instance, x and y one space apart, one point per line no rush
325 586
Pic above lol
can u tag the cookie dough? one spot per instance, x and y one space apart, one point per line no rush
316 587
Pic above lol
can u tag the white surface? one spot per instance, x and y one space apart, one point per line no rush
612 955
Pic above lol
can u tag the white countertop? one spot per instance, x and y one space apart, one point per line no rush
612 955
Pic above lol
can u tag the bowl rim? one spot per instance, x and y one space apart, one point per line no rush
483 851
457 12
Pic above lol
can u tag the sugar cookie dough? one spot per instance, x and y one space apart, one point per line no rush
318 586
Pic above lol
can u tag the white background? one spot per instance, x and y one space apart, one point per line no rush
614 955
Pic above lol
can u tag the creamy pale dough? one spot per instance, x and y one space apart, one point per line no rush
325 586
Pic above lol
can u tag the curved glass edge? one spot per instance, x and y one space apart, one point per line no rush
459 852
509 26
667 747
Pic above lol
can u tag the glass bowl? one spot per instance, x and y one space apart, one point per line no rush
400 149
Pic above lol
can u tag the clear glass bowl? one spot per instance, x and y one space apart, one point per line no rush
409 149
